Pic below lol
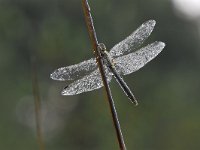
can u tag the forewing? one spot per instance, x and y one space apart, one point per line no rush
134 40
136 60
87 83
74 71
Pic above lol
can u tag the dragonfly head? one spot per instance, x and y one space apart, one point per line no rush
102 47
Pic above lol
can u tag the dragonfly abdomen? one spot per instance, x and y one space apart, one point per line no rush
123 85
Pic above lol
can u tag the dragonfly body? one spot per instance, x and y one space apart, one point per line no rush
117 62
108 61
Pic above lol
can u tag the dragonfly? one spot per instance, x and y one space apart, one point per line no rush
119 61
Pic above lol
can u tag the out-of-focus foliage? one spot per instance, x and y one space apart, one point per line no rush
54 32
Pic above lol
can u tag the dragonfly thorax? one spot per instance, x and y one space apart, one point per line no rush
104 54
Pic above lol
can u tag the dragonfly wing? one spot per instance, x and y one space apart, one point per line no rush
134 61
74 71
87 83
134 40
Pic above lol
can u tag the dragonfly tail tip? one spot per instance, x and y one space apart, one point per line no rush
136 104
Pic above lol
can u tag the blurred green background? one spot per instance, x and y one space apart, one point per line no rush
54 32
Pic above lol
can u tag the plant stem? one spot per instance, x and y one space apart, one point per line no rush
37 102
94 41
